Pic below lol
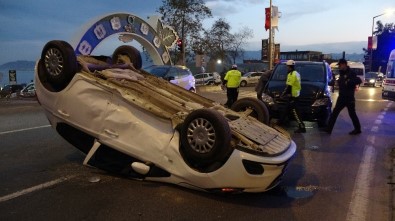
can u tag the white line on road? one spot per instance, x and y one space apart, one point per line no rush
360 195
34 188
25 129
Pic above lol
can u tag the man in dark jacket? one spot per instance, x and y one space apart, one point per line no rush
262 83
348 81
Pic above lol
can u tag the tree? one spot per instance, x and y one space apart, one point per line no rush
385 43
238 41
185 16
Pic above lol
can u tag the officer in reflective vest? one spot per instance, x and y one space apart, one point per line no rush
291 93
232 82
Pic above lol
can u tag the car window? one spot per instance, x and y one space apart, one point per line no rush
184 73
371 74
280 73
157 71
308 72
358 71
173 72
311 72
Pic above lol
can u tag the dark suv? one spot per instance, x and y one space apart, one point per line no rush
11 88
315 102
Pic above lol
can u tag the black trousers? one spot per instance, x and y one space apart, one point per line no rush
232 94
291 108
340 104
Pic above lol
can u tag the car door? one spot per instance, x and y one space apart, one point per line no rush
84 104
255 77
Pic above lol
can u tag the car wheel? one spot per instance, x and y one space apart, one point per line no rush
132 53
205 139
243 83
259 109
57 66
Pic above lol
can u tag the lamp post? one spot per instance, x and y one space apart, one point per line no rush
371 47
270 57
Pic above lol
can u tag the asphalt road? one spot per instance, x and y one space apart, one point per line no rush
332 177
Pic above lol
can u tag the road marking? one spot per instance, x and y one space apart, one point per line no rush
377 122
25 129
34 188
374 129
360 196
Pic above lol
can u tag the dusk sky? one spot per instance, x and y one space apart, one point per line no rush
26 25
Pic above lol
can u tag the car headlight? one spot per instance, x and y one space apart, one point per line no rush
372 81
267 99
321 102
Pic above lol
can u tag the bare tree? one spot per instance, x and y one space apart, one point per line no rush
219 39
185 16
238 42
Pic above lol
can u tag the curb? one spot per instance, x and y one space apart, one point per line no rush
208 88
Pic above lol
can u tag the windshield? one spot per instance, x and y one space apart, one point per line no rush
157 71
358 71
371 74
308 72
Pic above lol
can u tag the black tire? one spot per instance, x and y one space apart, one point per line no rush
205 139
57 66
131 52
259 109
243 83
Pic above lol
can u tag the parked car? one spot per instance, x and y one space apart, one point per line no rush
208 79
374 79
29 91
130 122
9 89
250 78
177 74
315 102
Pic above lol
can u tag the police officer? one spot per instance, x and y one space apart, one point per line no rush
348 81
232 82
292 92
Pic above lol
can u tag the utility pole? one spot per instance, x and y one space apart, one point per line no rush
183 40
270 57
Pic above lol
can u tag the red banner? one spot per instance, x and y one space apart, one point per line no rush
268 18
369 43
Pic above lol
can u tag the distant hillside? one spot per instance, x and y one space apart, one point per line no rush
248 55
256 55
18 65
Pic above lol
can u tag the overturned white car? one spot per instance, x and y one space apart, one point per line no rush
132 123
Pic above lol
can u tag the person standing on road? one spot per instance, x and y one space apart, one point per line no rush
348 82
262 83
291 93
232 83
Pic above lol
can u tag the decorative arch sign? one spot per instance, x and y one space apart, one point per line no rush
151 34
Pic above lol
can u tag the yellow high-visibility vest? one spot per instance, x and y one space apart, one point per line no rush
293 79
233 78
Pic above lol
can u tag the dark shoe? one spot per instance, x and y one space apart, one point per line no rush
355 132
300 130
